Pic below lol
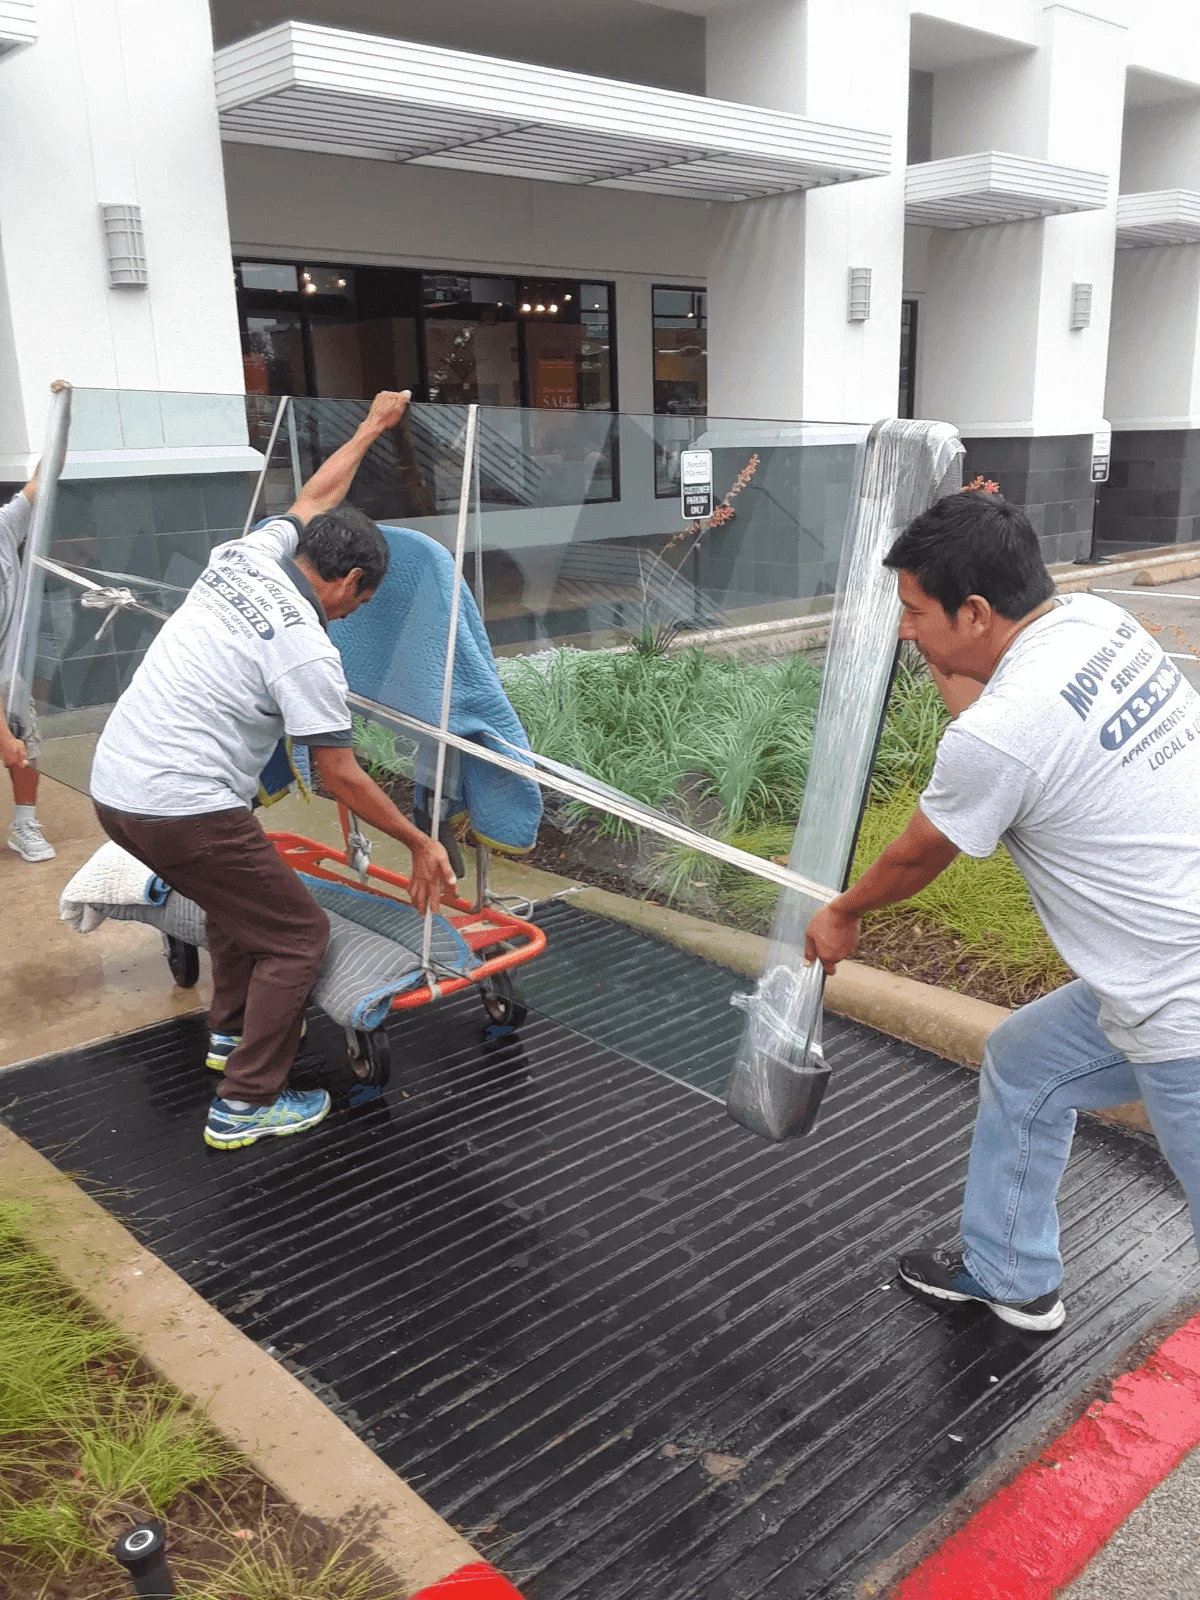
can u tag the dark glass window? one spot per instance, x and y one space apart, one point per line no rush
341 332
454 338
680 352
680 378
908 358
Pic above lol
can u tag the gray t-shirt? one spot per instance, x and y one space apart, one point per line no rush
244 660
1083 756
14 528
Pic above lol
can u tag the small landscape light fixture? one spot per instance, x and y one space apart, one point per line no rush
539 308
1081 306
858 302
553 307
125 246
527 306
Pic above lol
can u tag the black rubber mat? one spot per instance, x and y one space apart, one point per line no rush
632 1351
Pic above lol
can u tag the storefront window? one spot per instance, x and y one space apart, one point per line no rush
680 378
680 352
342 332
454 338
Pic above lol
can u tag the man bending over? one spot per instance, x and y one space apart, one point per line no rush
245 660
1081 752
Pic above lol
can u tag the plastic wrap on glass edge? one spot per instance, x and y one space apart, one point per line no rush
780 1074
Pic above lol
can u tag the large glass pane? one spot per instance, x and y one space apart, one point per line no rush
573 560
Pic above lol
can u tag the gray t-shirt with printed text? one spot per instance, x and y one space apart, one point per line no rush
1083 756
243 661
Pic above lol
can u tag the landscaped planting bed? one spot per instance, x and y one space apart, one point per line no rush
92 1443
725 745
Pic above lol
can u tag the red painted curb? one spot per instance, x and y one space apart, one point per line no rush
476 1582
1041 1530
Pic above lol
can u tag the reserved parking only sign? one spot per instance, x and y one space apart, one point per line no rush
696 483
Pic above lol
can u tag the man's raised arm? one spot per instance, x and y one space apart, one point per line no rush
330 483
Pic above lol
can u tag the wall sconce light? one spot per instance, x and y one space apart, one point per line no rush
125 246
1081 306
858 304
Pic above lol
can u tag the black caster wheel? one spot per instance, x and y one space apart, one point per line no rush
374 1053
184 962
500 1001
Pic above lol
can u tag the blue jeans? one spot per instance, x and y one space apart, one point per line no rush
1043 1063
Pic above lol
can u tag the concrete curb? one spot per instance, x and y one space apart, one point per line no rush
296 1443
1172 567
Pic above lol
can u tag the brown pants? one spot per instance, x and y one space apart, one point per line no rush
266 933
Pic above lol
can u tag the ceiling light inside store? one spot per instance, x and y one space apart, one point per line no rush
341 283
566 297
310 288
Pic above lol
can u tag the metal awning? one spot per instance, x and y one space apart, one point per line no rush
18 23
305 87
1158 216
976 190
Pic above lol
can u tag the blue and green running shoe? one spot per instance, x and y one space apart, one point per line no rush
293 1112
222 1045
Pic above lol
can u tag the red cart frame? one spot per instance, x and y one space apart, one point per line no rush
482 926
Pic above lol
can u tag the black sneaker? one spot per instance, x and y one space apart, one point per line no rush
941 1275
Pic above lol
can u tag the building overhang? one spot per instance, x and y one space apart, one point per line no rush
1158 217
977 190
18 24
305 87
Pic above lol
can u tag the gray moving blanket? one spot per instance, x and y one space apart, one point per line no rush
367 962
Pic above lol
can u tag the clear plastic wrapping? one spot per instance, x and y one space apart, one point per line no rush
780 1074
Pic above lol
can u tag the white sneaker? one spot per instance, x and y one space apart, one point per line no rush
30 843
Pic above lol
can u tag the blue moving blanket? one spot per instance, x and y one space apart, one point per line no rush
394 651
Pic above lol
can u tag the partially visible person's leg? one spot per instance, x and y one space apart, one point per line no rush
1171 1090
25 834
266 933
1041 1064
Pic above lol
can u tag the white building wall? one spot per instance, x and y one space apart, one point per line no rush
779 342
999 356
113 102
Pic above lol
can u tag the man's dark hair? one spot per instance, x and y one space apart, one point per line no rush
335 542
974 543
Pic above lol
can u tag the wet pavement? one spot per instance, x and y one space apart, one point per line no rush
629 1348
1171 611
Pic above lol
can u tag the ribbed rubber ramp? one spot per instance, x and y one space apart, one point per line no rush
631 1350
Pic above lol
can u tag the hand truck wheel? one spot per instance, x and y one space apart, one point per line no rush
500 1001
373 1052
184 962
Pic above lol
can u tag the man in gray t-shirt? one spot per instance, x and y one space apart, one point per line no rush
1077 745
245 661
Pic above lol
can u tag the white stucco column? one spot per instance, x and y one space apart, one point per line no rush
780 344
1154 348
998 354
113 103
